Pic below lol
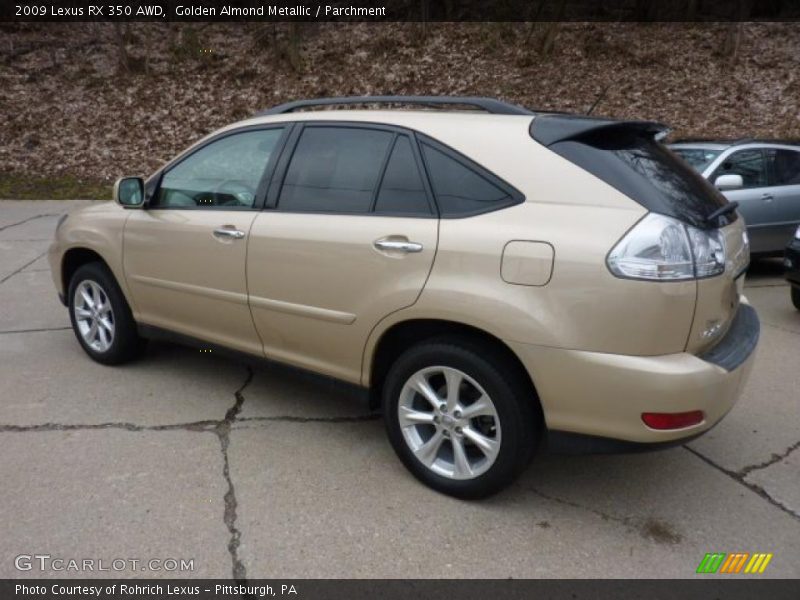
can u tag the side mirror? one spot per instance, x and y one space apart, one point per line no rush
729 182
129 192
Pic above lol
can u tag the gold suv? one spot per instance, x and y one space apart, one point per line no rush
495 278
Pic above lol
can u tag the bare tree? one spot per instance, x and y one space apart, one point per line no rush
548 40
733 37
123 60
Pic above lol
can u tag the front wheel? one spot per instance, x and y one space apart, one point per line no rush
459 419
100 316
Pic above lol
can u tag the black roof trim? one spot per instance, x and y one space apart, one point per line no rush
490 105
550 129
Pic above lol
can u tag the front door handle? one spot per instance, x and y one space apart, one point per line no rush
767 197
398 246
228 231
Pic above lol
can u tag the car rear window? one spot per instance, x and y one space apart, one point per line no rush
631 160
698 158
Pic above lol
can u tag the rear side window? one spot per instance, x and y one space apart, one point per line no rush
750 164
402 190
334 169
461 187
785 166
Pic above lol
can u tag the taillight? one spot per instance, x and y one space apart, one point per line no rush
661 248
672 420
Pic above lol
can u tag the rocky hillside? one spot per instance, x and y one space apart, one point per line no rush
72 112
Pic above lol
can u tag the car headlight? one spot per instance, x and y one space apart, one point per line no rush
660 248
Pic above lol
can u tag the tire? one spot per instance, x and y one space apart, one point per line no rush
796 297
514 426
110 346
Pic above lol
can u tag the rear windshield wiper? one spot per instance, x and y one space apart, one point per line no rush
722 210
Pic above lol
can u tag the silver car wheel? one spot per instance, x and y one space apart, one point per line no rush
449 422
94 317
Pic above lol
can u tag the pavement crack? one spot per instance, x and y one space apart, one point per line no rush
194 426
776 457
10 275
651 528
35 330
223 430
33 218
737 476
297 419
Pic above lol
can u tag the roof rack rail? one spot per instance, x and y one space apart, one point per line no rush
736 142
490 105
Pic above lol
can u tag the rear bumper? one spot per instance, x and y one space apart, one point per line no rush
604 395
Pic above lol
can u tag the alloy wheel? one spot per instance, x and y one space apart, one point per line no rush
449 422
94 316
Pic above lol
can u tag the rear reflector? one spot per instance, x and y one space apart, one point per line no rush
672 420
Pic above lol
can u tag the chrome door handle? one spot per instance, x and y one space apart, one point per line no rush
398 246
228 232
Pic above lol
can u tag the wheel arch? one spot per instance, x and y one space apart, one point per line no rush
402 335
73 259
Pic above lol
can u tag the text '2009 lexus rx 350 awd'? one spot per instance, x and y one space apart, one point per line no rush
494 278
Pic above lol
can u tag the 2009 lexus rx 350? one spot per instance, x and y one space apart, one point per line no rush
493 277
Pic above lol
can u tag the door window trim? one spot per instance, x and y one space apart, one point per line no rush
279 176
154 182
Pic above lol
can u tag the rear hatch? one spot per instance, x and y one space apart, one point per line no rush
628 156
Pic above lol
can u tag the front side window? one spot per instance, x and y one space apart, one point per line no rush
750 164
334 169
461 190
224 174
785 166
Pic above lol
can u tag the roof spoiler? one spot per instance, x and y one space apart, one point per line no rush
551 129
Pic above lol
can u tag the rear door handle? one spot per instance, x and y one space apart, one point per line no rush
228 231
398 246
767 197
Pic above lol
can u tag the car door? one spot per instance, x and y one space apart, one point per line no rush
784 166
184 254
755 197
348 237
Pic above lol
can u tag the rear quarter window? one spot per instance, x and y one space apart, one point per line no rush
461 186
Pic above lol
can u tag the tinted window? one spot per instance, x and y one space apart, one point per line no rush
334 169
785 166
460 189
402 190
750 164
646 171
225 173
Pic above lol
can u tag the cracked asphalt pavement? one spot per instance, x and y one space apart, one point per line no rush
261 472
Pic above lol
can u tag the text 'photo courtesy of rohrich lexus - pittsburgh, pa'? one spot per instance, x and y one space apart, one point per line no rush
497 280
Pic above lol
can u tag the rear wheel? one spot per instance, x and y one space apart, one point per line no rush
461 421
100 316
796 297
